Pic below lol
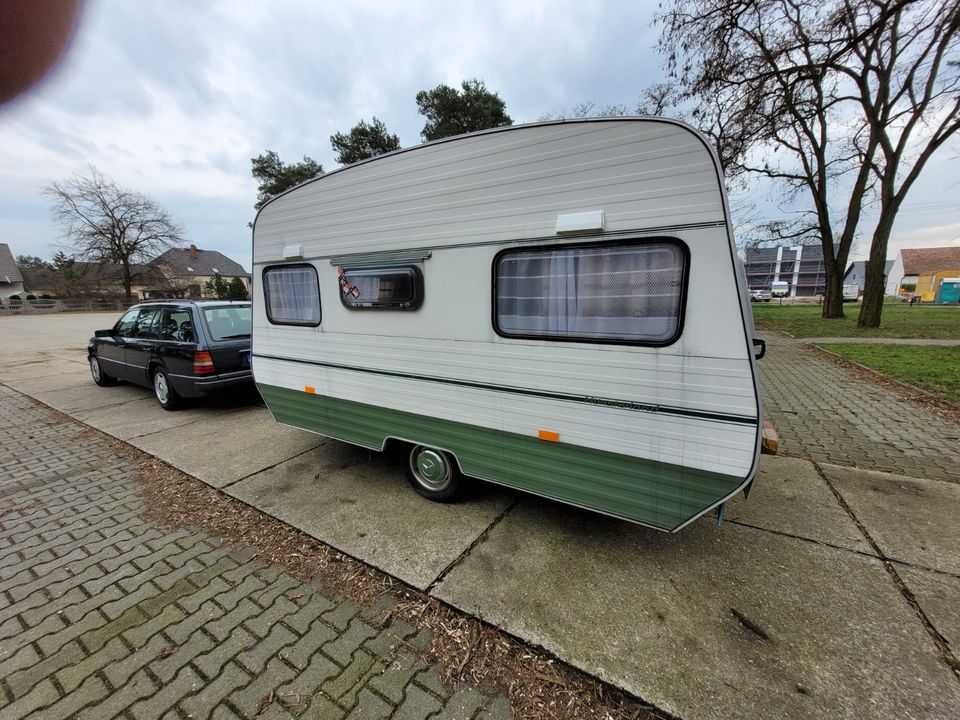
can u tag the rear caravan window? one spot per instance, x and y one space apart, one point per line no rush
396 288
614 293
292 295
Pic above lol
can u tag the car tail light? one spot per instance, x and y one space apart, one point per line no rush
203 363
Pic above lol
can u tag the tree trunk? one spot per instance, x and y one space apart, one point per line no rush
833 275
873 291
872 307
127 281
833 292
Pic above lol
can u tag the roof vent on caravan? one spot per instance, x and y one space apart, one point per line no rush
580 222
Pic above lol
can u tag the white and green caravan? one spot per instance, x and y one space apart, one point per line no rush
555 307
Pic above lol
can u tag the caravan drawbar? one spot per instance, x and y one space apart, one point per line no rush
556 307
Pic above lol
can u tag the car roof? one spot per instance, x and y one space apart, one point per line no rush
180 302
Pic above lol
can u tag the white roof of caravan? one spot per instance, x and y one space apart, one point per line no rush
501 185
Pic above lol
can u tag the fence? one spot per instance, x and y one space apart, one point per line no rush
50 305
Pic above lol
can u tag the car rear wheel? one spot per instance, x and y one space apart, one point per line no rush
99 376
163 389
433 473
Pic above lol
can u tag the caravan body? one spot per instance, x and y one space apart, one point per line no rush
555 306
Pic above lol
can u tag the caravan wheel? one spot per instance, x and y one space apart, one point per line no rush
433 473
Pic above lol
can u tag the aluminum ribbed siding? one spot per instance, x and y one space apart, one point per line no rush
461 201
499 187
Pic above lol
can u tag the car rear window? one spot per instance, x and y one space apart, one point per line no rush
227 323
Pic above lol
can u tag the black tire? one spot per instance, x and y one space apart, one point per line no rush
164 392
100 377
433 473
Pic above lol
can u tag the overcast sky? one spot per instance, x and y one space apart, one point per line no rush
174 98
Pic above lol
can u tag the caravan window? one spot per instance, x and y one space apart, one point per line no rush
292 295
624 293
399 288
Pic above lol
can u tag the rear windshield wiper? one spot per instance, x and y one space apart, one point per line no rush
234 337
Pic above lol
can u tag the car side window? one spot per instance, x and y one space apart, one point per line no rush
125 324
146 325
176 325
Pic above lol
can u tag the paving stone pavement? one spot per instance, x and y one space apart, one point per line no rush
103 615
825 413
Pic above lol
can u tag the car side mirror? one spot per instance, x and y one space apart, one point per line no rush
103 333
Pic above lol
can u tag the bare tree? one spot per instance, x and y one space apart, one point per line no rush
664 100
104 223
174 286
587 109
843 102
660 99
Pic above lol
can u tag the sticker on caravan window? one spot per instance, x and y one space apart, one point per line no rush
345 285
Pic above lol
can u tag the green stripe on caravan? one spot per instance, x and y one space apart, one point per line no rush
652 493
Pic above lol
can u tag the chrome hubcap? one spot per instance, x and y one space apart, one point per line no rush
95 369
160 386
430 467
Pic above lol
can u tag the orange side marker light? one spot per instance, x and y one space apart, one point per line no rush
549 435
309 389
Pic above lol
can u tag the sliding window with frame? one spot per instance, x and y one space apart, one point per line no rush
624 292
388 288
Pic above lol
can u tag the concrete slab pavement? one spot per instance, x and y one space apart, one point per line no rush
227 447
86 396
653 613
138 417
939 596
789 496
39 366
912 520
75 375
359 502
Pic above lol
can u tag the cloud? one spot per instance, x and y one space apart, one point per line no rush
174 98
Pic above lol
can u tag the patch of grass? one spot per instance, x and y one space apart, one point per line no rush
933 368
898 321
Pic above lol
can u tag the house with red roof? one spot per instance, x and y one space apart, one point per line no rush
920 271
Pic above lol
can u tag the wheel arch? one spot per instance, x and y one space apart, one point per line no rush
394 443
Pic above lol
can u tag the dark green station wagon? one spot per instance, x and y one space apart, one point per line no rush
180 348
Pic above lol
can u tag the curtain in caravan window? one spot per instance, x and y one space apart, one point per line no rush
292 295
623 293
